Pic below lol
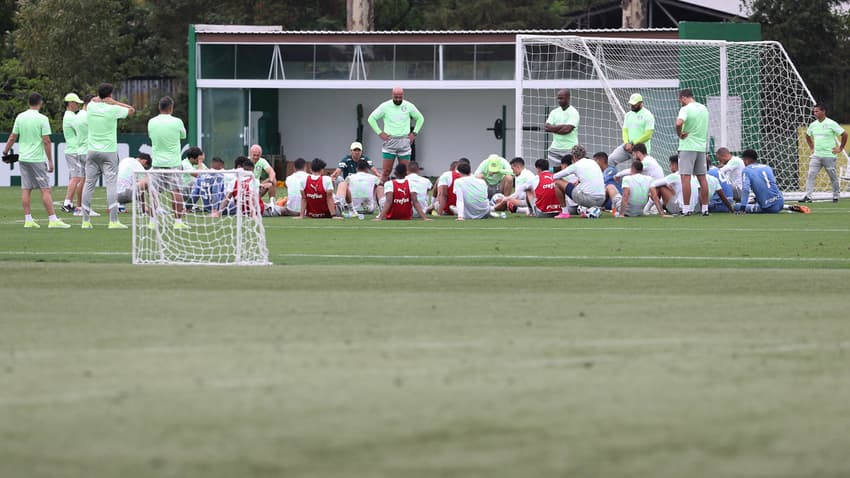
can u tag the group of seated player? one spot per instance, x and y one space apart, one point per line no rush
579 186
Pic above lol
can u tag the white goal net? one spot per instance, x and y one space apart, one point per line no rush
755 96
211 219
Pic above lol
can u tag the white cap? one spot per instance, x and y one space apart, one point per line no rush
356 145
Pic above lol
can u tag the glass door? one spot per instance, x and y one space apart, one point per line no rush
224 123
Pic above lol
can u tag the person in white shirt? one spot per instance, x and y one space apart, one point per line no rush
666 193
418 184
471 193
364 188
588 187
732 171
127 169
294 186
636 187
522 179
445 202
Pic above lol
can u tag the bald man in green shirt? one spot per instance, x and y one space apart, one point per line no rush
396 134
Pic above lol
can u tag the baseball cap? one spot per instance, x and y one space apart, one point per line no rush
73 97
635 98
494 163
356 145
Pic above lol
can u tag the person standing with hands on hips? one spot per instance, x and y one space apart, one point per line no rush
396 135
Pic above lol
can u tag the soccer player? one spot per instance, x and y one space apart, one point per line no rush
732 171
363 189
820 137
638 127
666 193
165 132
396 135
717 199
635 191
102 159
32 132
588 189
542 192
692 129
294 186
348 164
252 206
127 176
613 189
562 122
714 204
522 180
497 173
471 194
760 179
76 177
650 165
263 172
209 188
418 184
400 199
317 198
194 164
446 199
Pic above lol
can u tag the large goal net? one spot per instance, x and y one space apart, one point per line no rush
756 98
211 219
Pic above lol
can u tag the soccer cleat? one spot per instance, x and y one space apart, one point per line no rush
834 199
805 199
686 214
116 225
799 208
706 213
31 225
181 225
68 208
563 215
86 225
57 224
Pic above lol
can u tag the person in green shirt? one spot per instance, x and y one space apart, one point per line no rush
76 176
820 137
692 129
166 132
32 132
496 171
563 124
264 173
396 135
102 158
638 128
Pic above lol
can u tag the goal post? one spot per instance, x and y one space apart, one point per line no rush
210 219
755 96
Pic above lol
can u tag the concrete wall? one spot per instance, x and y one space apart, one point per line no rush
323 123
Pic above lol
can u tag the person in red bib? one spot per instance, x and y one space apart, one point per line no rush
547 198
317 200
399 199
446 198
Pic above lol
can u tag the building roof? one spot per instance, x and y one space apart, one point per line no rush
278 30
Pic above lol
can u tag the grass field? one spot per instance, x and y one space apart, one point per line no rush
649 347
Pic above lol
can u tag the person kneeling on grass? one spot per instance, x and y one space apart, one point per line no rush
400 200
317 194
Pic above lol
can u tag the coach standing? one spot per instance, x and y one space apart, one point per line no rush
563 124
36 160
692 129
820 137
397 113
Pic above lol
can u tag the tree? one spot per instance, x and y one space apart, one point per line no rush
816 38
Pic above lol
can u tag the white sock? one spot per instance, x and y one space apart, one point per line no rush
68 203
686 209
704 208
53 218
565 210
28 217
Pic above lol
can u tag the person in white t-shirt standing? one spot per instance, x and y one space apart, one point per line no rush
732 171
471 193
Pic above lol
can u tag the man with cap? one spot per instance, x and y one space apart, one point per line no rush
497 173
638 127
396 134
348 166
76 176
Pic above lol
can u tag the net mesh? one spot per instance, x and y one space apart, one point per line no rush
753 86
205 220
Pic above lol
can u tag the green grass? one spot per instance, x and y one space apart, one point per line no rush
691 347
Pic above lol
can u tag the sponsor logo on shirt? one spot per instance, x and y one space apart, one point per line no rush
315 196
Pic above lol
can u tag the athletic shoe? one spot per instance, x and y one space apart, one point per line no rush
181 225
563 215
706 213
116 225
68 208
94 214
31 225
86 225
57 224
805 199
78 212
685 214
834 199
